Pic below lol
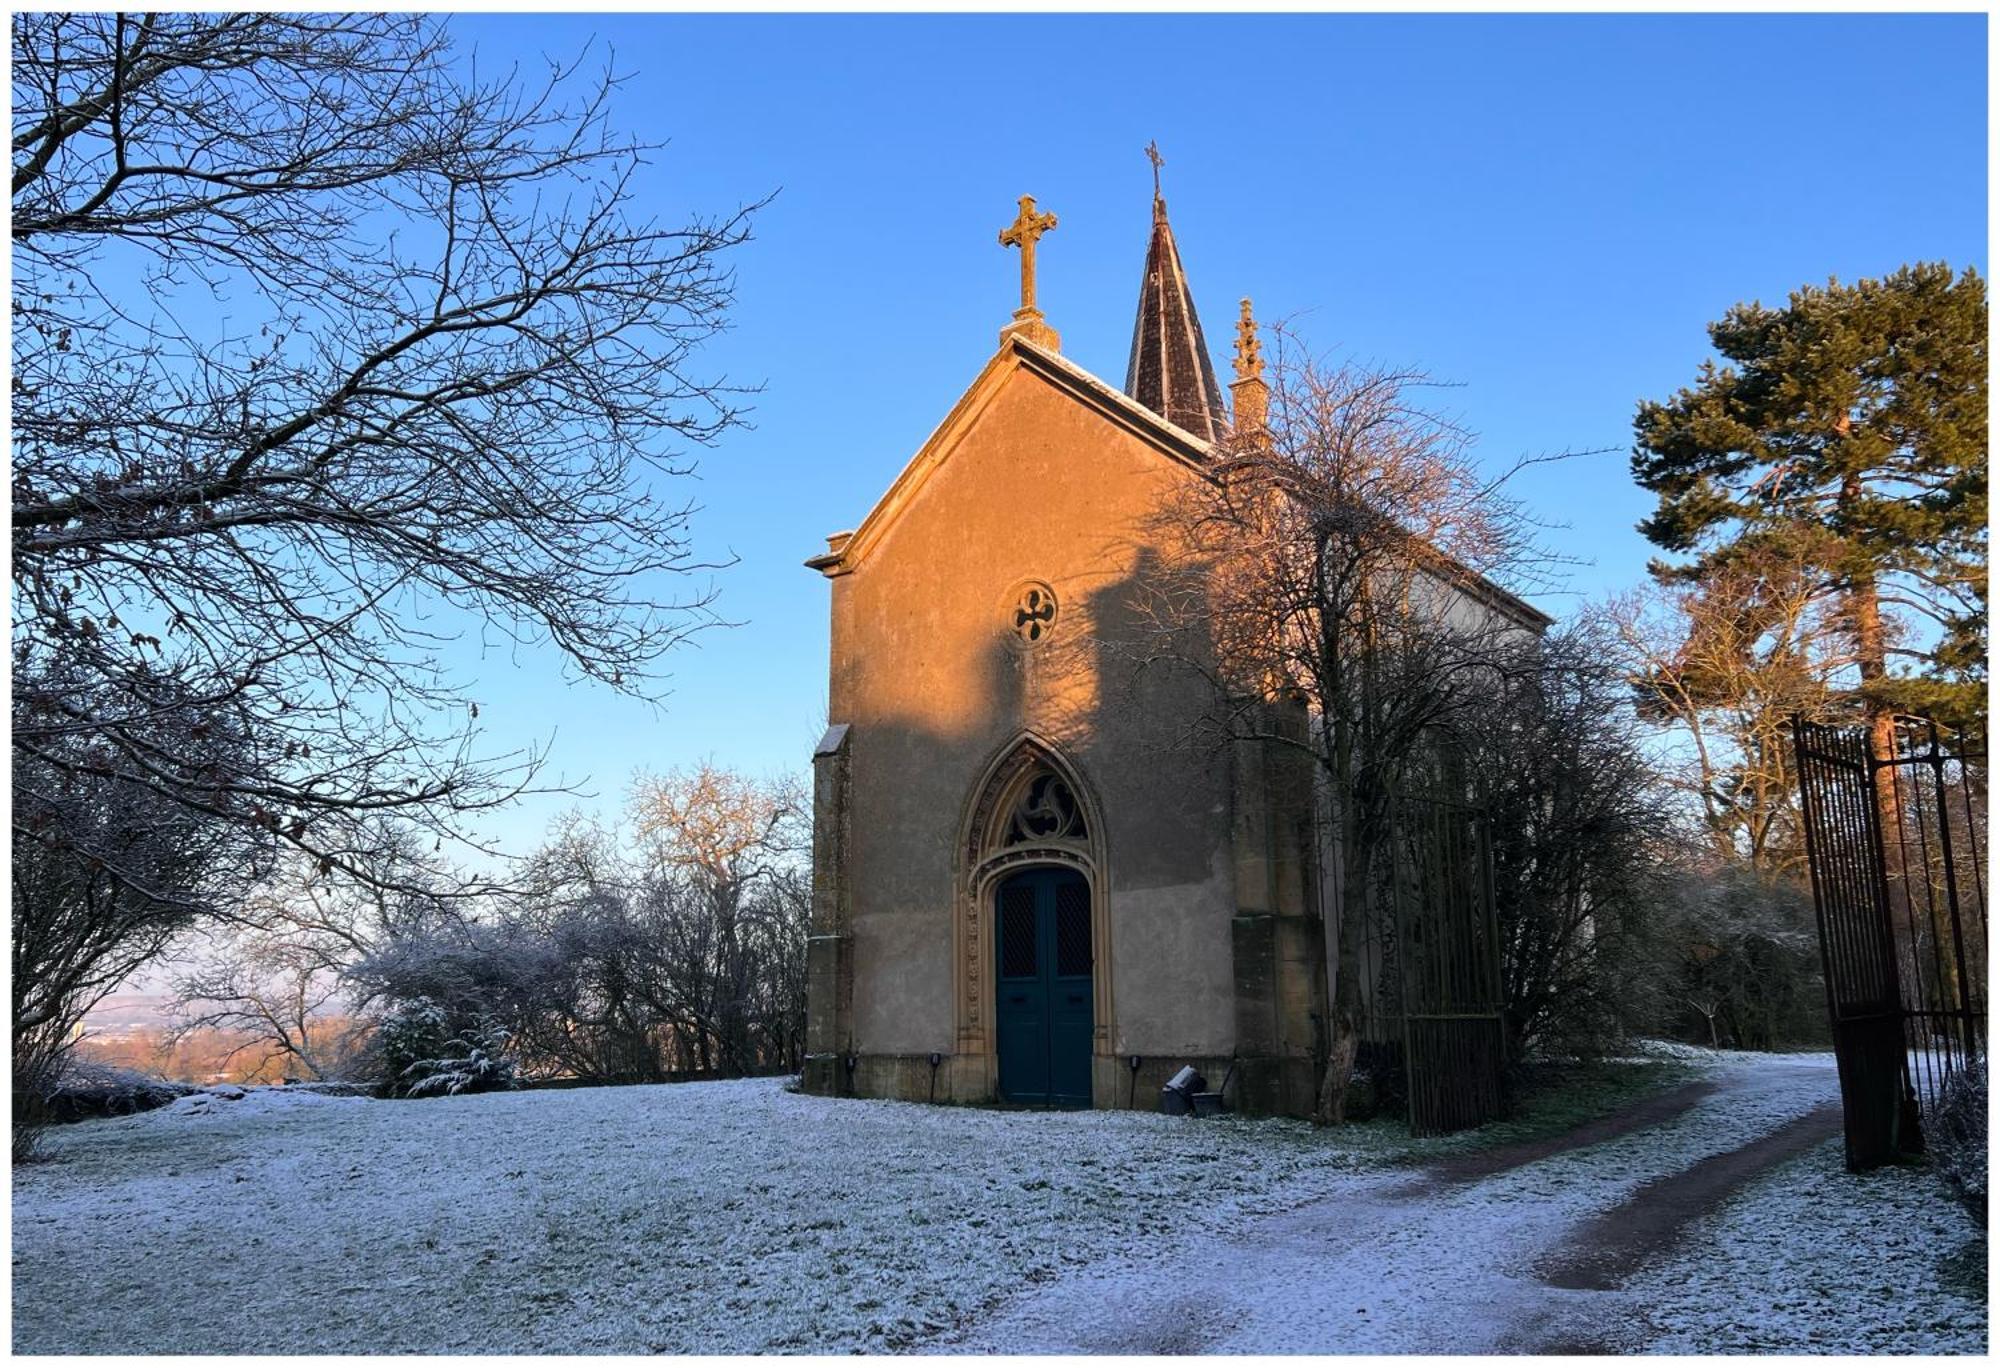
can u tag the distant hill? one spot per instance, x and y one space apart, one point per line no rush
126 1014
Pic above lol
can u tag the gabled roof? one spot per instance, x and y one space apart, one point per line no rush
847 549
1170 371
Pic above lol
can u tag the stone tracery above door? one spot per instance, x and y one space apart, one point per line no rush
1045 811
1028 805
1031 810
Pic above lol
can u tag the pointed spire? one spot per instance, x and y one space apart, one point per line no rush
1249 351
1170 372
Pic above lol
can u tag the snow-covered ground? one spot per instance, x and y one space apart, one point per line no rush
1791 1267
737 1217
1401 1266
718 1217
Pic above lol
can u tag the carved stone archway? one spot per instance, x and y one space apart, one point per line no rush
1030 807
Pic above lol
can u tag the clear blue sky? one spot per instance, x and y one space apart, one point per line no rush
1546 210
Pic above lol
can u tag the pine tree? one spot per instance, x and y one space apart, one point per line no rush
1850 423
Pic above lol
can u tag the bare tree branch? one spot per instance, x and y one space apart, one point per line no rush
324 354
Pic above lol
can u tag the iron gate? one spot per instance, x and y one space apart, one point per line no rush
1899 886
1434 1037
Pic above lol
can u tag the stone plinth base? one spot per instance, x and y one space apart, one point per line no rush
1263 1086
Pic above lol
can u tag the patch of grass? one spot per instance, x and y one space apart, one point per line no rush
1556 1100
1964 1270
1564 1099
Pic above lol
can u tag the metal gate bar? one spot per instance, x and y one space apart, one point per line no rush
1448 956
1905 966
1944 989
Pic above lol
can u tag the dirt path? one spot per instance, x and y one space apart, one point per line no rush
1652 1111
1610 1249
1516 1250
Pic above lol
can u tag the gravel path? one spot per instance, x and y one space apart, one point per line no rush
1483 1255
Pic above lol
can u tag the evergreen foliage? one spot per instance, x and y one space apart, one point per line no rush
429 1050
1847 428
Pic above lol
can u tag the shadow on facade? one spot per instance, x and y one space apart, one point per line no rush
1208 865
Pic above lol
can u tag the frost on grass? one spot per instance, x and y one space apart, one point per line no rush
724 1217
1813 1259
236 1099
739 1217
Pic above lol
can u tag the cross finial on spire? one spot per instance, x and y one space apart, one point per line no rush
1158 161
1026 229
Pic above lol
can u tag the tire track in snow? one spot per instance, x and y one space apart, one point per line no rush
1443 1265
1610 1249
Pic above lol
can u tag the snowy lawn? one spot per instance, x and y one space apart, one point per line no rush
1812 1259
718 1217
737 1217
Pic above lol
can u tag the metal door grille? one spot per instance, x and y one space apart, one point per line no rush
1072 929
1449 957
1017 931
1433 1034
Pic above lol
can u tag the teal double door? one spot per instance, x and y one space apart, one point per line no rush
1042 921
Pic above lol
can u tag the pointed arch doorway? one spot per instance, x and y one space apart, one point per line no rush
1033 944
1043 987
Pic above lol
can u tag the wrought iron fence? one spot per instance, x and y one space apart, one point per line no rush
1898 865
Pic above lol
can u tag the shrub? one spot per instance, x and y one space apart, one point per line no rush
1955 1135
1743 960
41 1054
426 1052
91 1088
478 1060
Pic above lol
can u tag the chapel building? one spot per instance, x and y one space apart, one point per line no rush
1029 887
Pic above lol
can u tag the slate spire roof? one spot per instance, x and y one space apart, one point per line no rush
1170 372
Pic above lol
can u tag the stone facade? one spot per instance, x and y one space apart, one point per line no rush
993 734
983 635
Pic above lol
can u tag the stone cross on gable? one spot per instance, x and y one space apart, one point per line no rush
1023 233
1027 227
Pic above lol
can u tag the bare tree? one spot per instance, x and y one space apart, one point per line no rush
274 970
674 945
728 838
325 353
106 872
1723 666
600 1009
778 928
1345 557
1583 836
275 995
